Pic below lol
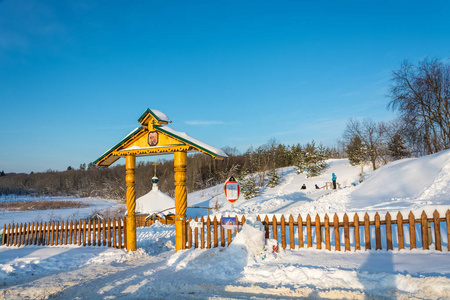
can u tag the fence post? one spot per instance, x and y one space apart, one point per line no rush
65 232
388 232
327 233
229 234
222 233
300 231
337 239
4 235
19 235
25 234
84 233
39 234
318 233
189 232
356 226
412 230
33 233
308 231
99 233
202 234
113 232
424 222
401 238
195 234
47 227
437 231
10 236
367 231
346 233
104 232
55 231
266 226
274 228
291 232
208 233
119 233
79 232
216 242
377 232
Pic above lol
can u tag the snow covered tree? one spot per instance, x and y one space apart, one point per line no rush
315 160
356 151
247 183
299 158
274 177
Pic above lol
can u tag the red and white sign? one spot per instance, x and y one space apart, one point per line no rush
231 189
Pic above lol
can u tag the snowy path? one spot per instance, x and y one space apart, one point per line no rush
218 274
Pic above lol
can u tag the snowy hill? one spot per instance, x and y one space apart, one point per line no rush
237 272
411 184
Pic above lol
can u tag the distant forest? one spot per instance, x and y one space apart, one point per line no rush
419 92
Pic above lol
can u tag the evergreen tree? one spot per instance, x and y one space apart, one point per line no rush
356 151
397 148
315 160
274 177
2 173
299 158
247 183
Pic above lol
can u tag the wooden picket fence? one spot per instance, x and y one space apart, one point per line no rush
340 235
294 233
111 233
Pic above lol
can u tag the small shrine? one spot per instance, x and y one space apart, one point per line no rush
155 205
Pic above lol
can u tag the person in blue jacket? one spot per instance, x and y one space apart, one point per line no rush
333 178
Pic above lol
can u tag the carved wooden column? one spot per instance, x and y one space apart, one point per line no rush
131 202
180 198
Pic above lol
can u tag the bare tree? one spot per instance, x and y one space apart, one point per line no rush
371 135
421 94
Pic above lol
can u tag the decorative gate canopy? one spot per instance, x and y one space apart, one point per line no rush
152 138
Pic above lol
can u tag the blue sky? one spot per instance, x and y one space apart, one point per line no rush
76 75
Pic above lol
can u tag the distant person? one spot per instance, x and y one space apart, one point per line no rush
361 177
317 187
304 187
333 178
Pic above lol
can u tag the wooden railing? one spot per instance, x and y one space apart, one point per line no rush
339 235
111 233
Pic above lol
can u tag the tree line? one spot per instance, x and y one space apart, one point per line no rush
419 92
202 172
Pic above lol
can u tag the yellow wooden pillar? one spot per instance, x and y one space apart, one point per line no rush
180 199
130 165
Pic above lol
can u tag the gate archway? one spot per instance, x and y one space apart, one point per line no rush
152 137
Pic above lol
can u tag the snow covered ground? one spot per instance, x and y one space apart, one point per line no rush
156 271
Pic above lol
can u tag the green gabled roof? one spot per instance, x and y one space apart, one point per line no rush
107 158
129 136
154 113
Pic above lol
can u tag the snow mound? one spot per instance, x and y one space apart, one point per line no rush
407 183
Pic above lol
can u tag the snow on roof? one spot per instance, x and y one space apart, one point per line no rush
160 115
190 140
155 201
